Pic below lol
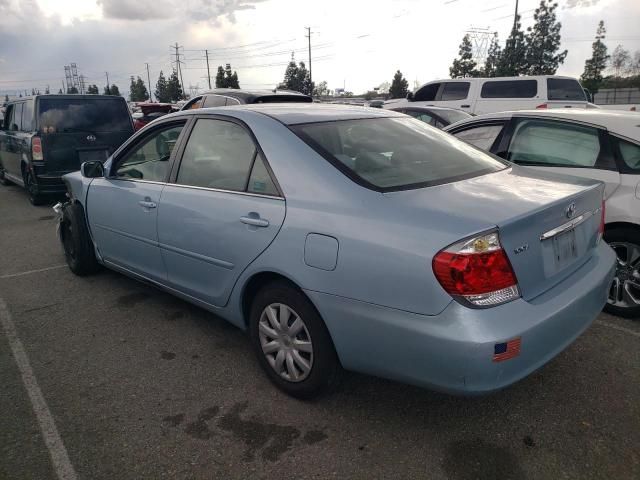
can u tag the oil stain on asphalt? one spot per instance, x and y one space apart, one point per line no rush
478 460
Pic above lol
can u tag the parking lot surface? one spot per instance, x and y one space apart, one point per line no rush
139 384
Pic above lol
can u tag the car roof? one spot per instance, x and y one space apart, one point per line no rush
408 106
623 123
250 95
497 79
298 113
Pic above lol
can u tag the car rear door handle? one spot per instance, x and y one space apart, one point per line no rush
465 106
147 204
255 221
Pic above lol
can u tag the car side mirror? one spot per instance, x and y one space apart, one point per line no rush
93 169
410 96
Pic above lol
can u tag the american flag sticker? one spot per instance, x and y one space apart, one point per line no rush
505 351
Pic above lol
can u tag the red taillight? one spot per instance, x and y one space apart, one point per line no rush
36 149
542 106
477 270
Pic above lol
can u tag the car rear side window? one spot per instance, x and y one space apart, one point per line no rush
455 91
27 116
214 101
149 160
84 115
387 154
630 153
219 154
564 89
481 136
260 181
509 89
553 143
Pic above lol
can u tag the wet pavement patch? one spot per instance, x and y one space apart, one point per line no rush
199 429
174 420
167 355
314 436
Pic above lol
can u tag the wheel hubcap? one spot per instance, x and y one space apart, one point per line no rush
286 342
625 289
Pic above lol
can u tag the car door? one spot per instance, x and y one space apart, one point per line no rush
123 207
562 146
222 211
12 151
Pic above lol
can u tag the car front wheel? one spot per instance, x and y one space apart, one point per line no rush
624 295
292 342
78 247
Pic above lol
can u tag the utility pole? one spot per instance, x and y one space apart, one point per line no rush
149 82
515 17
108 87
309 37
206 53
178 62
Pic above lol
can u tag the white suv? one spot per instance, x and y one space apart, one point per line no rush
598 144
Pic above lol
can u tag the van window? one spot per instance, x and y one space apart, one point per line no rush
16 120
66 115
564 89
27 116
510 89
427 93
8 117
455 91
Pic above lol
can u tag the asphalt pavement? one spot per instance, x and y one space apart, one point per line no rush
105 378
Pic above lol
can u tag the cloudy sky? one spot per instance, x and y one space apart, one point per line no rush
356 43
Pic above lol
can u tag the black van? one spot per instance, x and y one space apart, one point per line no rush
46 136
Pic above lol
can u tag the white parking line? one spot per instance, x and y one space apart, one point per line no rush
59 457
29 272
619 328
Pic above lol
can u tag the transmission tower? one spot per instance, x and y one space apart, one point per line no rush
68 77
74 73
480 40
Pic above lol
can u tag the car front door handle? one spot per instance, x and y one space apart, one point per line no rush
255 221
147 204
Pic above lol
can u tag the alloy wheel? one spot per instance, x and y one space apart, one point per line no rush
286 342
625 289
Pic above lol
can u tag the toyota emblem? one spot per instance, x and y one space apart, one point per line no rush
91 138
570 211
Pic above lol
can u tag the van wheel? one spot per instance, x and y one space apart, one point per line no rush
292 343
624 295
78 247
3 179
35 197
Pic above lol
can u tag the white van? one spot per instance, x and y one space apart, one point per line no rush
488 95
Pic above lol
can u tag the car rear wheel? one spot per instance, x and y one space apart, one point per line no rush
3 179
78 247
35 197
292 342
624 295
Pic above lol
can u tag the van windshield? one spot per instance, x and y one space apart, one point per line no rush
387 154
85 115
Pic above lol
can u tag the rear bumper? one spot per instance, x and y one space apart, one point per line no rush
50 182
453 351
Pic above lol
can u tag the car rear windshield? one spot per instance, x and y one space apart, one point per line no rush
564 89
67 115
387 154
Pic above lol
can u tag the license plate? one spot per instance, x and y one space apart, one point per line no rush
565 249
92 155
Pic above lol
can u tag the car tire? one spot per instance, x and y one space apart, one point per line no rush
293 342
625 242
3 179
35 197
76 242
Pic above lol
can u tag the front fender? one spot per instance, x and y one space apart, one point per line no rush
77 187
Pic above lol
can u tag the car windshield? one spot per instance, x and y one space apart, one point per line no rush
389 154
453 116
86 115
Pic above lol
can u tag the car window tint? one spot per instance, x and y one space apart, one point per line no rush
27 116
193 104
482 136
455 91
218 155
509 89
543 142
150 160
564 89
260 181
214 101
630 153
395 153
232 101
8 117
90 115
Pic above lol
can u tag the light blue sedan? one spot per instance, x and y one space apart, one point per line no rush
341 237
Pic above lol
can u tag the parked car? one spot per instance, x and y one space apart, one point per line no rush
45 136
349 237
150 112
221 97
486 95
438 117
595 144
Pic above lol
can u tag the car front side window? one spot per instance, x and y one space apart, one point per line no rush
150 159
482 136
540 142
630 154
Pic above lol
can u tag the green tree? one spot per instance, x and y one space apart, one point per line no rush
221 81
594 66
138 90
162 89
59 91
620 61
321 89
543 41
231 78
93 90
493 57
114 91
464 65
399 86
512 61
174 90
72 90
296 78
